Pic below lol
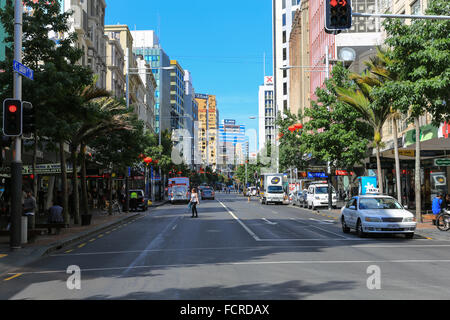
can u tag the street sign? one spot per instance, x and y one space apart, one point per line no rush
442 162
23 70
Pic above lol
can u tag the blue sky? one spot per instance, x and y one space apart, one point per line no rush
221 43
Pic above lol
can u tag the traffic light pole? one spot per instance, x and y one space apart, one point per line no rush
16 165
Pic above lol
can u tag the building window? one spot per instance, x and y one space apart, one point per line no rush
284 19
284 54
415 8
285 88
284 36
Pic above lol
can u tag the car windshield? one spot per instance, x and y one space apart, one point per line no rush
275 189
179 189
378 203
323 190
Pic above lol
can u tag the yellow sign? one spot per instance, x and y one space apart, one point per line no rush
406 153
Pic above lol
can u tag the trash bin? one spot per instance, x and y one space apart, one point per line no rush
24 235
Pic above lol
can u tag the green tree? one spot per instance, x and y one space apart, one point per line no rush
333 131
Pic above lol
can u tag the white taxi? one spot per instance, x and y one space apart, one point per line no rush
377 214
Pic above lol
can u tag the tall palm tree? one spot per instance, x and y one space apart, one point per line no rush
376 115
378 66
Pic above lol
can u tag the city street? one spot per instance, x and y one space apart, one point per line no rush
237 250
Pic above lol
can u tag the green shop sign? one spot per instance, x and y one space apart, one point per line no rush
442 162
427 132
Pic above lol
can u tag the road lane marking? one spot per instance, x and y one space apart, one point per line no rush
81 245
269 222
248 263
174 227
69 251
13 277
250 232
92 240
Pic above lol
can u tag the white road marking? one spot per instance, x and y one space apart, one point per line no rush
249 263
269 222
250 232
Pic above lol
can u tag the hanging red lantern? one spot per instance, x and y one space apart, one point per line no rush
298 126
148 160
292 128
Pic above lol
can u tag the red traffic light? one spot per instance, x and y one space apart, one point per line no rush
12 108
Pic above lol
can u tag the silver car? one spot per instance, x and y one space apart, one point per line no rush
377 214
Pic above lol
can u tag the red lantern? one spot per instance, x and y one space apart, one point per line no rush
298 126
141 156
291 128
148 160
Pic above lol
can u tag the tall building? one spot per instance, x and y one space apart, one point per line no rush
146 43
191 117
137 89
233 144
208 126
115 62
213 131
283 12
299 55
88 21
177 89
267 113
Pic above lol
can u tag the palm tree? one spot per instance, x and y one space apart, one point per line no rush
378 66
376 115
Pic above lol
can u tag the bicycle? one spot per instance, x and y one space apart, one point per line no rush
115 207
443 221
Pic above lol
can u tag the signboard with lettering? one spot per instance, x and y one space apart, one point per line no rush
442 162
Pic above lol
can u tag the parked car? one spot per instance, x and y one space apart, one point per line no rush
142 200
299 198
318 196
207 193
377 214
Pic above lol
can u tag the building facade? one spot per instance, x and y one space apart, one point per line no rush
233 145
146 43
267 113
283 13
177 90
115 62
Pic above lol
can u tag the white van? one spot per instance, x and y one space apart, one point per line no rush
318 196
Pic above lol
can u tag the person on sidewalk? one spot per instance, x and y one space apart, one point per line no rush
436 206
194 201
133 201
55 215
29 207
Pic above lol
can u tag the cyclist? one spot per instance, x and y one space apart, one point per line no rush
436 206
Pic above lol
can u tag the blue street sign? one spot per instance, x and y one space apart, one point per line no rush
23 70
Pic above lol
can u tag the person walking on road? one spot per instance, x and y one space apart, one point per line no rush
194 202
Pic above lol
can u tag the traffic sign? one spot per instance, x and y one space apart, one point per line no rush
442 162
23 70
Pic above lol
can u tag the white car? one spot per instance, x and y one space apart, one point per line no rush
317 196
377 214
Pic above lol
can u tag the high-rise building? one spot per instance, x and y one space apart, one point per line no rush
191 117
208 126
233 144
267 113
146 43
177 89
283 12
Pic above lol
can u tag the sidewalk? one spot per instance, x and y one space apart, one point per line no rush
45 244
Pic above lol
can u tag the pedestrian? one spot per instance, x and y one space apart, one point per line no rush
29 207
194 202
436 206
94 194
133 201
55 214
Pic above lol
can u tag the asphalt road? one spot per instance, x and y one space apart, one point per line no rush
236 250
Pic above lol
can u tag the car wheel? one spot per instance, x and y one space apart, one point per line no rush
359 230
345 228
409 235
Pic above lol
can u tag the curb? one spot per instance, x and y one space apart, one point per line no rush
40 252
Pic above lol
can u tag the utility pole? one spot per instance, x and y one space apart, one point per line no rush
16 165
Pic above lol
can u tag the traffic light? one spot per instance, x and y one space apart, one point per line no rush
12 117
338 14
29 119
